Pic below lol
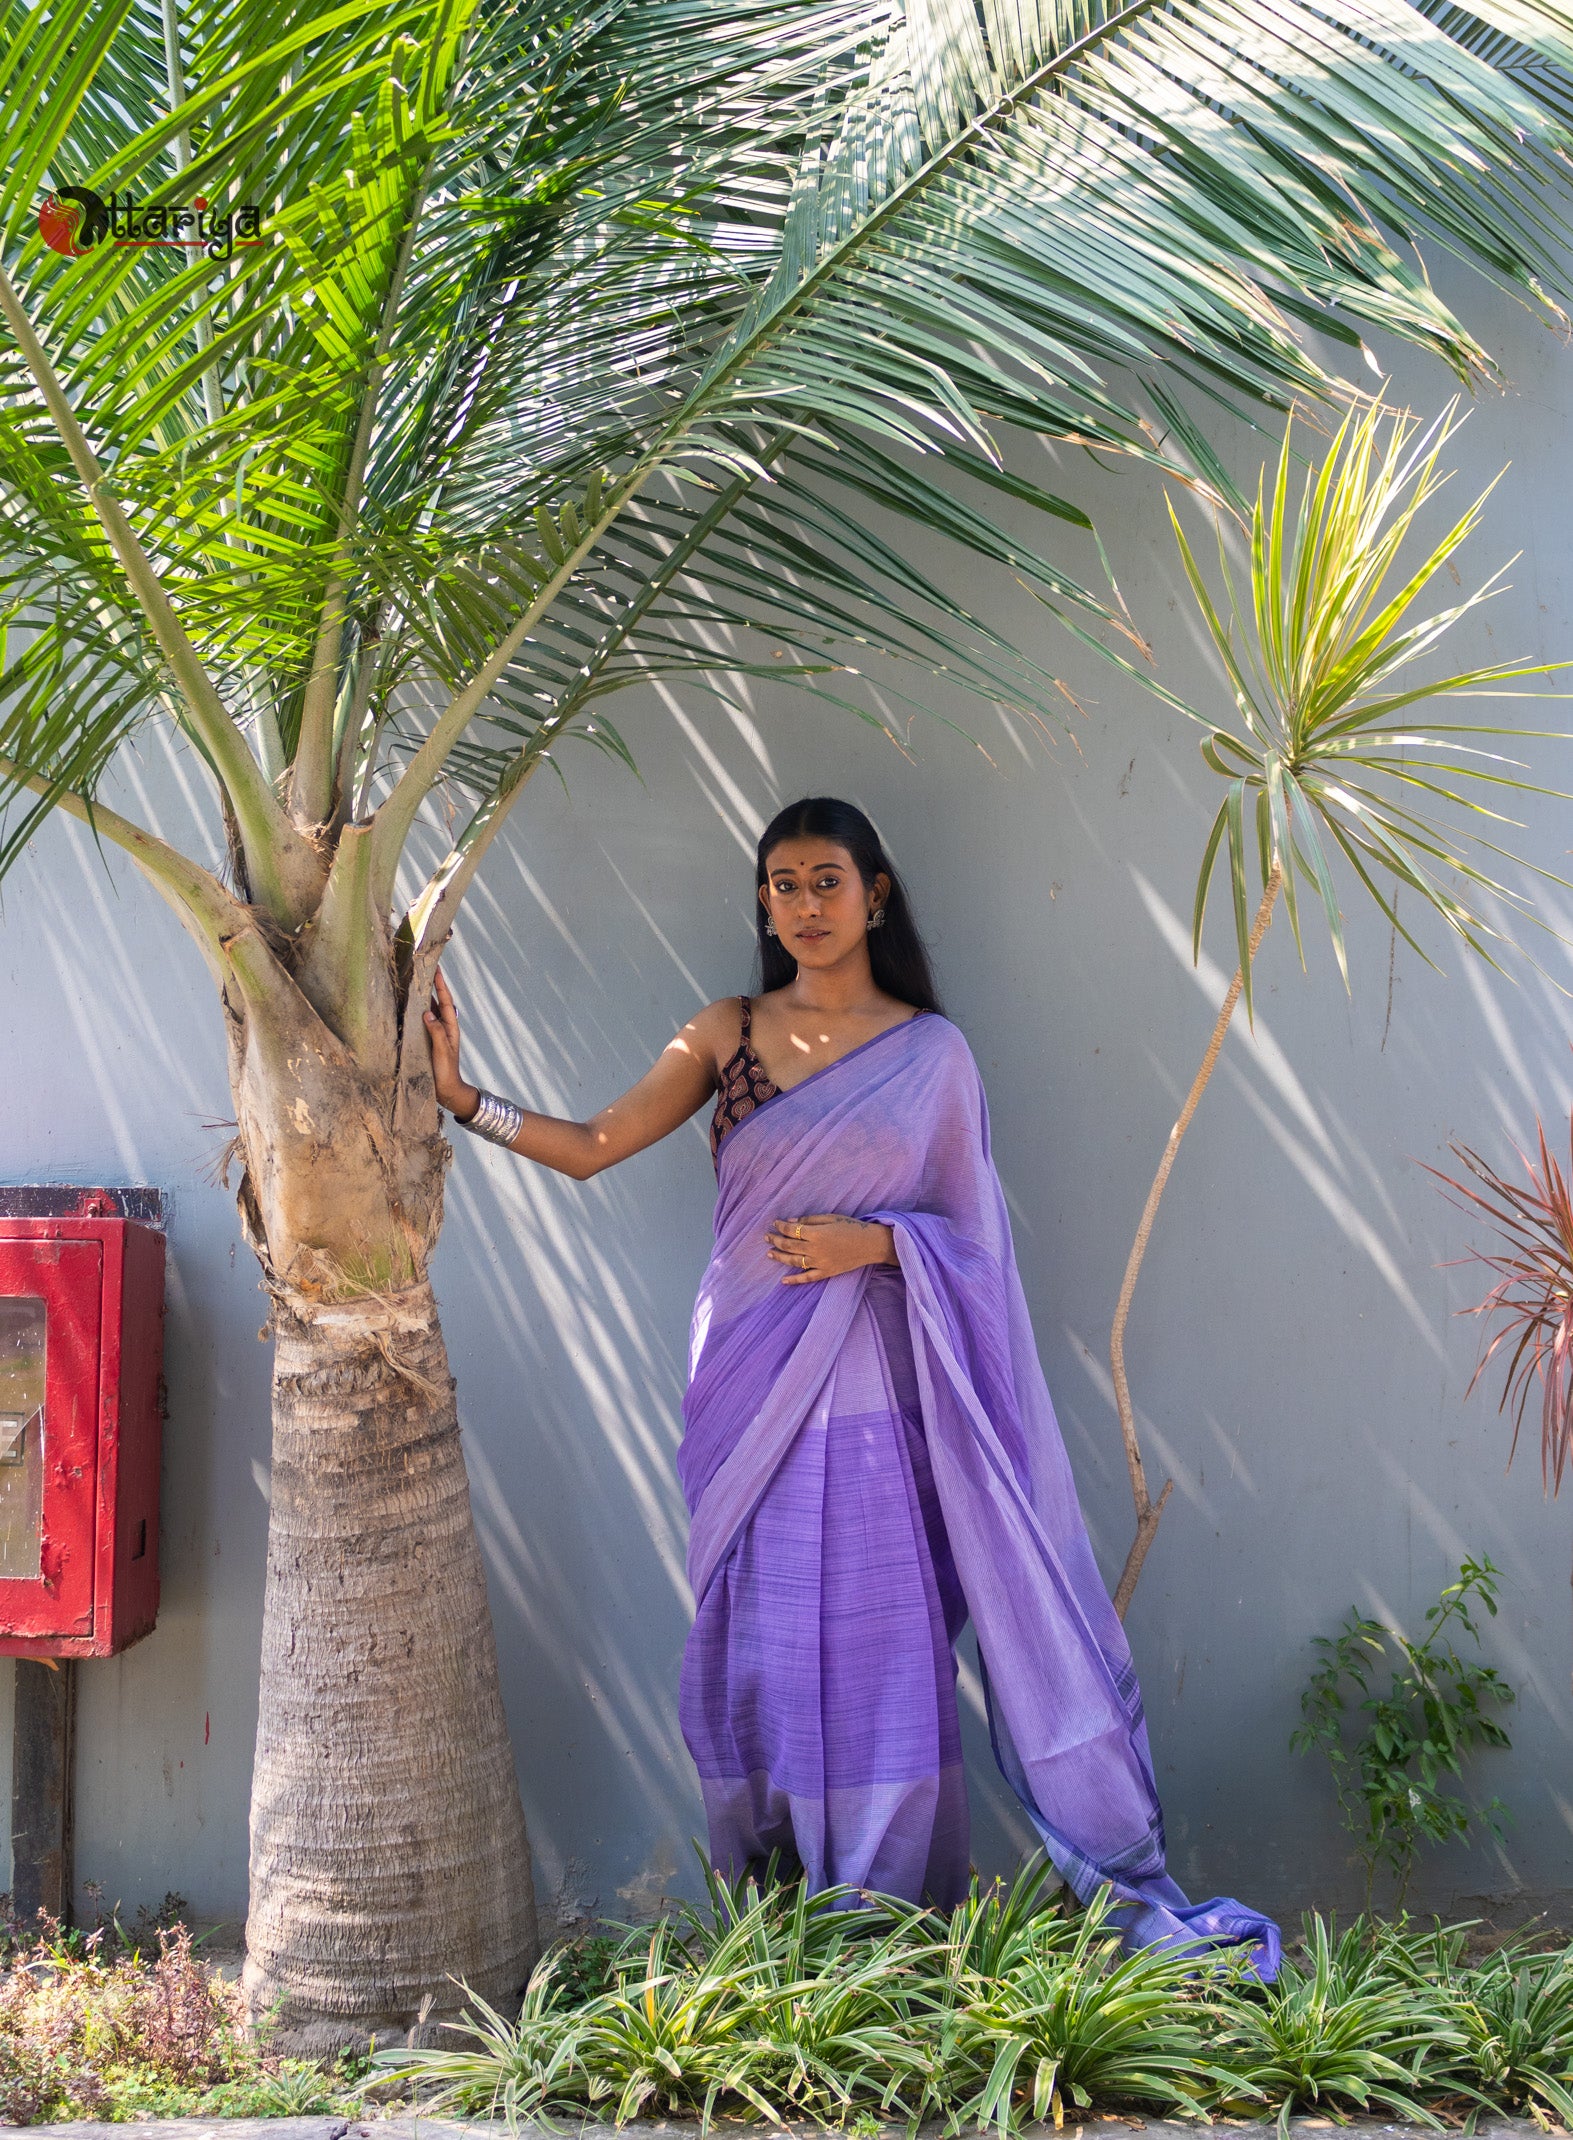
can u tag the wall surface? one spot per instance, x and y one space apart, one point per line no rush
1295 1351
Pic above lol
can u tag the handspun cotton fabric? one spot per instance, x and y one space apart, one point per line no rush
870 1460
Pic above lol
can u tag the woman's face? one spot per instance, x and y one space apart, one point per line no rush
817 900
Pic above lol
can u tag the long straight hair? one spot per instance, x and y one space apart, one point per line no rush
895 950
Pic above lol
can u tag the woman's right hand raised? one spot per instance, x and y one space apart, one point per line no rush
442 1030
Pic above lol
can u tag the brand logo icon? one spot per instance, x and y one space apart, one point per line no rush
74 220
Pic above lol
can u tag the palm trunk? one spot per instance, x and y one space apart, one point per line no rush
389 1864
1150 1512
388 1849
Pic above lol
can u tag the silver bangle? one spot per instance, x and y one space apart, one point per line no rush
498 1120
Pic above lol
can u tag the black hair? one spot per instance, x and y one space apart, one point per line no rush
895 949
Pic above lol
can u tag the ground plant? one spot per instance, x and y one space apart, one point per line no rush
95 2026
1392 1748
1015 2009
853 2011
559 349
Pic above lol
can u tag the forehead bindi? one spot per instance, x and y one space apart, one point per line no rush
807 861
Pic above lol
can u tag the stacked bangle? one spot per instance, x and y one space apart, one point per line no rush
498 1120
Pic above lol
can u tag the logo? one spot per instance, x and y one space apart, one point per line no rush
74 220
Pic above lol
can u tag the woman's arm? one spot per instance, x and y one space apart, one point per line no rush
677 1084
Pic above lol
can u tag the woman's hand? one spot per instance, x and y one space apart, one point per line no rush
826 1244
442 1030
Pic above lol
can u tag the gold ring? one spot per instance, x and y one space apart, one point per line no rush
802 1263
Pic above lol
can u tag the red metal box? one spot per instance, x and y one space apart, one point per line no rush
81 1331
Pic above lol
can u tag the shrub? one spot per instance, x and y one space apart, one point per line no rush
110 2024
1436 1710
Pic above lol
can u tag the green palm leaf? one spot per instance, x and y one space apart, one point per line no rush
594 347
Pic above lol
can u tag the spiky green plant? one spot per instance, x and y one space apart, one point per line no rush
1336 754
1081 2022
580 346
1339 2031
1514 2012
727 2020
514 2066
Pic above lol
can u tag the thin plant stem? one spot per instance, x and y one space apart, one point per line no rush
1148 1511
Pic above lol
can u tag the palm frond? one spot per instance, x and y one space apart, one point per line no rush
543 286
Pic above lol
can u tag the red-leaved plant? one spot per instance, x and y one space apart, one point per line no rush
1532 1300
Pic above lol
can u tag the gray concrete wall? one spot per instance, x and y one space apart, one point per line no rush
1294 1349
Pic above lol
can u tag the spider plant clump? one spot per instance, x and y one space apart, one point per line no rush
1347 2030
1514 2013
1075 2024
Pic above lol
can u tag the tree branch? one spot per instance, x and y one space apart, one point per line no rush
395 815
1148 1511
285 873
209 913
344 970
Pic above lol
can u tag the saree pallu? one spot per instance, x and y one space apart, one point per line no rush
868 1462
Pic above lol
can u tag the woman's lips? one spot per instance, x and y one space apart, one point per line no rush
811 936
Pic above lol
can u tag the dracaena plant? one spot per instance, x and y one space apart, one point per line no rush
1336 759
1531 1303
572 346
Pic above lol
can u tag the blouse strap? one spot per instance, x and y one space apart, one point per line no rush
747 1008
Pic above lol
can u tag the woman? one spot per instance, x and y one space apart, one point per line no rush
871 1455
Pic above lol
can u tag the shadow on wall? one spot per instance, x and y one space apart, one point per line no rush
567 1308
1291 1340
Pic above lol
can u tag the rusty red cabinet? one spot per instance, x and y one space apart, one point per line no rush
81 1321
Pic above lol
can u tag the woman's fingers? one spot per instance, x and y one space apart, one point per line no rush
443 1018
787 1246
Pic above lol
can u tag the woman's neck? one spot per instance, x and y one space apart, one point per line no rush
834 990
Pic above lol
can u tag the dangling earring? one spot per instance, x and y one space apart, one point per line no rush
876 920
770 927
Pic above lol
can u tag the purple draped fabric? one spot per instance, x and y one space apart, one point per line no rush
868 1462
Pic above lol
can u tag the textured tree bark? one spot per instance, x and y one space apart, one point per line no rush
389 1865
388 1849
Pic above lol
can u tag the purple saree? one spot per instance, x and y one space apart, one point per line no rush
867 1463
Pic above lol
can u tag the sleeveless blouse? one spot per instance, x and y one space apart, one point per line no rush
744 1086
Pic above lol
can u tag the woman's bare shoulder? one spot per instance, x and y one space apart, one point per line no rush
717 1029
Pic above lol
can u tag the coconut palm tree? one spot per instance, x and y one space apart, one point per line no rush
538 350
